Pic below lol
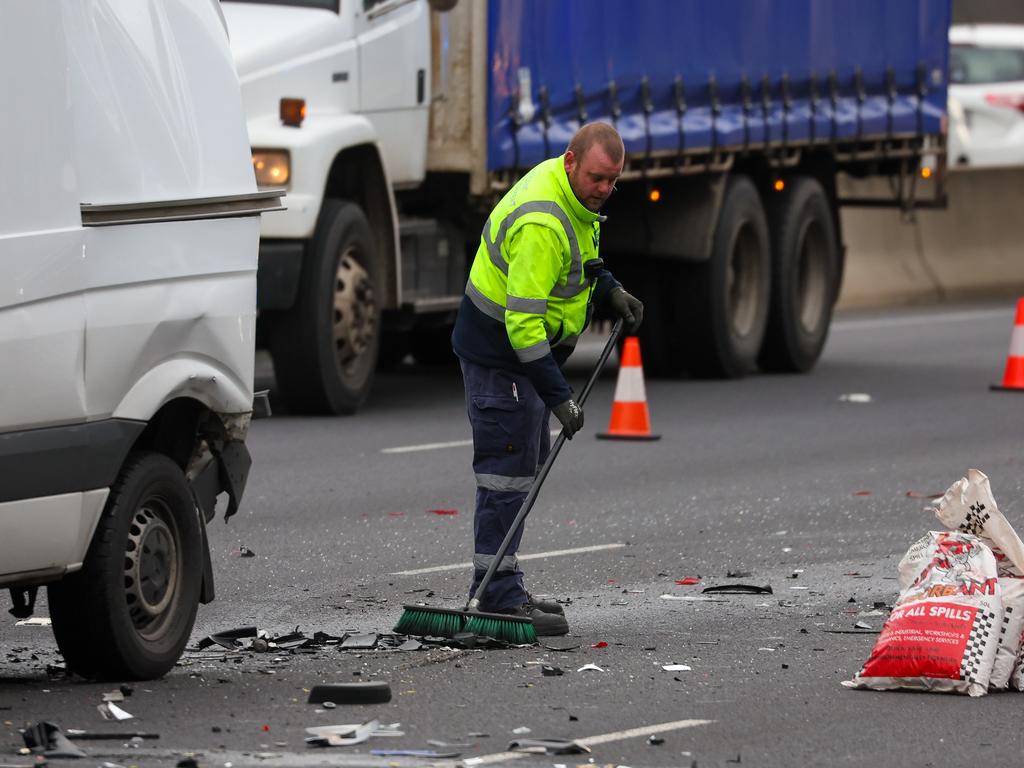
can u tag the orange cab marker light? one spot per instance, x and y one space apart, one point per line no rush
293 112
779 185
654 195
926 173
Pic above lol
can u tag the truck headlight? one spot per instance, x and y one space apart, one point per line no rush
272 167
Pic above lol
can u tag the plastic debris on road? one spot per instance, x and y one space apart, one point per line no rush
521 729
676 668
110 711
443 512
347 735
590 668
688 580
855 397
548 747
47 739
34 621
738 589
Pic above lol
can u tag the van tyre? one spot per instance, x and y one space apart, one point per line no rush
325 347
128 613
805 267
727 297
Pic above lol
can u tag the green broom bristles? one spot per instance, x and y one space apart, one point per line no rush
433 622
511 629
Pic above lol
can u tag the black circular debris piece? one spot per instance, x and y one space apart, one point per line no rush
373 692
655 740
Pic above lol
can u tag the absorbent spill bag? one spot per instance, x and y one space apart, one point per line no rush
968 506
943 632
1011 589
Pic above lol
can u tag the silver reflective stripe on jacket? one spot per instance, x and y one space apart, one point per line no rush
573 286
534 352
490 308
526 306
509 563
504 483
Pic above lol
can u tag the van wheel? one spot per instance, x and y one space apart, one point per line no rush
804 270
728 296
325 347
129 612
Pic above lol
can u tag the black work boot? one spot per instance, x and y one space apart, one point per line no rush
548 606
544 624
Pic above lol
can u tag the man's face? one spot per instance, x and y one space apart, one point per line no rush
593 176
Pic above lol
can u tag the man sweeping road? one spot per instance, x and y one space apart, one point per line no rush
528 299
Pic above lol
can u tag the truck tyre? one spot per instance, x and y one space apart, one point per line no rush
728 295
805 264
128 613
325 347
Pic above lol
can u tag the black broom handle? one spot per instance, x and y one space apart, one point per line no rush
474 603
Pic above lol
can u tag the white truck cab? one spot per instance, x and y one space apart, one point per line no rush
337 95
129 225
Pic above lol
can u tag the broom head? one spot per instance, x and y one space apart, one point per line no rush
515 630
433 622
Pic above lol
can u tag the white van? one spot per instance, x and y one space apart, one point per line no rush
129 226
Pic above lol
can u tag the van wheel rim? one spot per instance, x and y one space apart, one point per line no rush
743 280
355 305
151 567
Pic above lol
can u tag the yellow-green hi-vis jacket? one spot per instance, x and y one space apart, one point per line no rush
528 298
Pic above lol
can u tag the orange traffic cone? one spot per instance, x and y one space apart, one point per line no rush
1013 378
630 419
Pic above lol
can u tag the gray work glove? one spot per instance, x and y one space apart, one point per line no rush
571 416
628 307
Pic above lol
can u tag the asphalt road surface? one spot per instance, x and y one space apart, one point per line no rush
775 476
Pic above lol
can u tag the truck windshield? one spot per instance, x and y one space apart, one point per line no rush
327 5
969 65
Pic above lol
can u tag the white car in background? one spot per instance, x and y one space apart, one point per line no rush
986 95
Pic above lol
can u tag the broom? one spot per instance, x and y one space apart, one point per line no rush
448 622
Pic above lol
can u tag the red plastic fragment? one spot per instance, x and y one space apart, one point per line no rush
601 644
443 511
687 581
862 493
919 495
395 514
266 728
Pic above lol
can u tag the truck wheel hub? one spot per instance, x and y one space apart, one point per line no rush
354 309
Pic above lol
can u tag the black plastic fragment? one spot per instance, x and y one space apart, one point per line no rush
227 638
372 692
738 589
548 747
47 738
550 671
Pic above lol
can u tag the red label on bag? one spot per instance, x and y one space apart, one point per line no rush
922 640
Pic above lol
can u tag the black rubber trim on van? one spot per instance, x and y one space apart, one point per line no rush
54 460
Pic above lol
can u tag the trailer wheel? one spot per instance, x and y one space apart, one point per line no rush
728 295
129 612
325 347
805 262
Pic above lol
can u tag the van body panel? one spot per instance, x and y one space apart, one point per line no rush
49 534
148 80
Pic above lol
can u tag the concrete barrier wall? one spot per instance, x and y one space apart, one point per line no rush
972 250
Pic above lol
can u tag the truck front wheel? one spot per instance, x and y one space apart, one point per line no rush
325 347
129 612
805 264
728 295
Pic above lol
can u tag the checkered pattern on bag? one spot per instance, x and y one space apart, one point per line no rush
977 642
975 519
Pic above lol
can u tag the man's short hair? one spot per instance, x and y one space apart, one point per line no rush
597 133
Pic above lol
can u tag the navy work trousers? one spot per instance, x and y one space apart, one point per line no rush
511 440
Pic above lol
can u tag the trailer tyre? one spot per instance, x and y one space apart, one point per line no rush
728 295
325 347
805 264
128 613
